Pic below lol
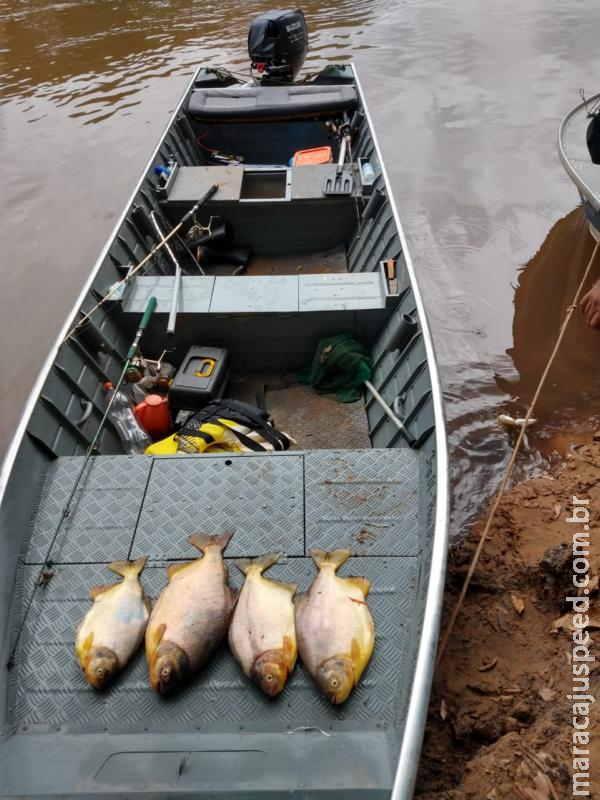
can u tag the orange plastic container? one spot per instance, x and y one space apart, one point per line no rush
318 155
153 415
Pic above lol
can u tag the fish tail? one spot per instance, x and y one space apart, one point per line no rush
335 557
203 540
125 568
261 563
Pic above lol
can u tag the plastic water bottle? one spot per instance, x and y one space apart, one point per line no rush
162 171
133 437
368 173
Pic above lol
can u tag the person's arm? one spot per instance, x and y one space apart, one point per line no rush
590 306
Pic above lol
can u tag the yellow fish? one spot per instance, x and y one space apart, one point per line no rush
114 627
334 626
262 635
191 616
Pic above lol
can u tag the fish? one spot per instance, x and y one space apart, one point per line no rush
262 635
114 627
191 616
334 626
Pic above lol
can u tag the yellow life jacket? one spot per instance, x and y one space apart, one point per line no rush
249 431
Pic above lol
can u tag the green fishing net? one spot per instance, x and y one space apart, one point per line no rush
340 366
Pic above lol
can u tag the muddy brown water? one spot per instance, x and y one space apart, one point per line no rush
466 98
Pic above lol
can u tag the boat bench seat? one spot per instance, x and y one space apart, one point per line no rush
282 315
250 103
255 294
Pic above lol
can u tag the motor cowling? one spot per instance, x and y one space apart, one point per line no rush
277 45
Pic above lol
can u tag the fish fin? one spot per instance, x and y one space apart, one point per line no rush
153 641
148 603
362 584
261 563
203 540
86 646
125 568
173 568
335 557
290 652
96 591
355 652
360 658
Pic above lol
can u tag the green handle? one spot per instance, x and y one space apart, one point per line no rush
148 313
145 320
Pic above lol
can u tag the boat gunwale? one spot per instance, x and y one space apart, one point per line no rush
413 730
414 727
34 394
590 196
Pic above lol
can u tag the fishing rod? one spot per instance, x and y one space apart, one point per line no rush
188 215
151 305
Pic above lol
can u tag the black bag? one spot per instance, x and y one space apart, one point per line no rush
243 414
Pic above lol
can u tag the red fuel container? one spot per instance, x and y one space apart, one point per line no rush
153 415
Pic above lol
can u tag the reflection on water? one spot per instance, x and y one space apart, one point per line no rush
568 409
466 98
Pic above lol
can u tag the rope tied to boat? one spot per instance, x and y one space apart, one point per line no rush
492 514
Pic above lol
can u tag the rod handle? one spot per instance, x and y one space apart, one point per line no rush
151 305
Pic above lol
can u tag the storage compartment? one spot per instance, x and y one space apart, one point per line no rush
200 378
266 184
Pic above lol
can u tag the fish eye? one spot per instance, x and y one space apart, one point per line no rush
334 683
100 672
269 677
165 672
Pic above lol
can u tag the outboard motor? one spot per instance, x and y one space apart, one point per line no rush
277 45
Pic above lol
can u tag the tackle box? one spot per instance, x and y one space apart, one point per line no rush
200 378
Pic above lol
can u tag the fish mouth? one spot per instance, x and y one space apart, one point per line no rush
336 698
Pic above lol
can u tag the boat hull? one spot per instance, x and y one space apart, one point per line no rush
575 157
351 481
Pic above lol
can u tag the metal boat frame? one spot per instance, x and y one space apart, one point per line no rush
405 774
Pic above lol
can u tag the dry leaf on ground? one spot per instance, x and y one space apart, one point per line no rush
518 604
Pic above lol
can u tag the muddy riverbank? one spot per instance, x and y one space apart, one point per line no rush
500 723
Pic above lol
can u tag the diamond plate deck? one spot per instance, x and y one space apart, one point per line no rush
286 502
262 497
103 514
51 691
366 500
314 421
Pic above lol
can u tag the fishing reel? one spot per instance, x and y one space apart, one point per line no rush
212 244
218 231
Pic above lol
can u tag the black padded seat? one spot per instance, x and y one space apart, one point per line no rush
252 103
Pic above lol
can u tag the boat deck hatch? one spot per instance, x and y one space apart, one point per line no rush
266 184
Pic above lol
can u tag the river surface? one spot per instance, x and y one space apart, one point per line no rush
466 97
